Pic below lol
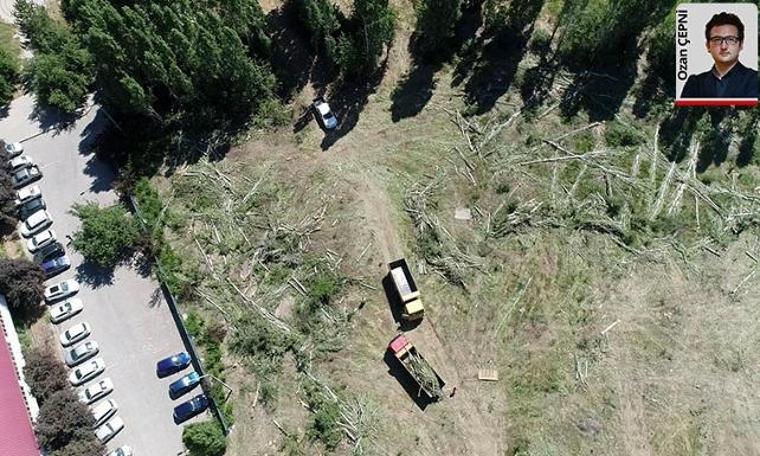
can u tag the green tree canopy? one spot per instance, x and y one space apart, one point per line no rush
87 446
9 73
107 233
62 69
176 59
22 284
8 212
63 419
44 373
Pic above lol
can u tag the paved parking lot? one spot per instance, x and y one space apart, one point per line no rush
130 319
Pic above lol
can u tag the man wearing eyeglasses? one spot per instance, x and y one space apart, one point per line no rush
728 78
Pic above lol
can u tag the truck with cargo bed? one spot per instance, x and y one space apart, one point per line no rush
430 383
407 290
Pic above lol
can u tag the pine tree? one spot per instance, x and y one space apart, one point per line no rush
177 60
436 20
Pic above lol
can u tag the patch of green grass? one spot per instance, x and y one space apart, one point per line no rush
8 41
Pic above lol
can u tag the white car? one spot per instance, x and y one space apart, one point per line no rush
27 194
103 411
20 162
61 290
65 310
87 371
95 391
36 223
13 149
324 114
110 429
41 240
74 334
81 353
122 451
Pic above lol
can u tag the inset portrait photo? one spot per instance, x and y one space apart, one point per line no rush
716 54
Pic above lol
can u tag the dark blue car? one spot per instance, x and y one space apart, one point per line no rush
189 409
56 265
172 364
184 384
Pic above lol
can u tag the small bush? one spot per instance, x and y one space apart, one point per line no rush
324 422
204 439
619 135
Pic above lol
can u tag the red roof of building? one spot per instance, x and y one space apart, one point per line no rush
16 433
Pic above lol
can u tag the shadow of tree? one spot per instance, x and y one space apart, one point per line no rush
414 92
501 51
348 101
416 89
48 117
677 130
292 56
93 275
713 147
748 144
599 92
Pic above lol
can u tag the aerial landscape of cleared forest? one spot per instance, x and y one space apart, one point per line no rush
586 253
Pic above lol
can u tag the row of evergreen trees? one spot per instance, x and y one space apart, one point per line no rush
207 62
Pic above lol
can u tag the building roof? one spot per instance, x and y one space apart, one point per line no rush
16 433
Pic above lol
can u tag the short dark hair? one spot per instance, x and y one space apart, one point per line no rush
725 19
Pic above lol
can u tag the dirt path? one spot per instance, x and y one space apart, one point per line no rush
474 430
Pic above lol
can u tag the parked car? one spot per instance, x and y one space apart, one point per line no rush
36 223
13 149
27 194
184 384
55 266
30 207
87 371
95 391
74 334
25 176
49 252
324 114
20 162
172 364
189 409
65 310
124 450
81 353
103 411
61 290
41 240
106 432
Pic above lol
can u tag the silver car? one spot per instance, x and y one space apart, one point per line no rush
95 391
87 371
81 353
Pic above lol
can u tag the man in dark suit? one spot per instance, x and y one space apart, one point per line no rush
728 78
